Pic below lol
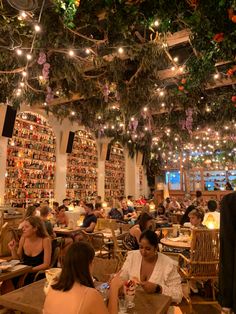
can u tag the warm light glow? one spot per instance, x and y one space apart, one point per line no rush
163 104
156 23
19 52
162 93
120 50
28 56
24 73
23 14
87 50
71 53
216 76
37 28
173 68
72 113
22 84
176 59
104 205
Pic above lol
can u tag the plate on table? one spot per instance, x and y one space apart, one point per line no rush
5 267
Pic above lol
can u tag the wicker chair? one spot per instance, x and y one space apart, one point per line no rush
103 268
202 262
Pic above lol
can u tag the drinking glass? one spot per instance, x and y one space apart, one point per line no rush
122 305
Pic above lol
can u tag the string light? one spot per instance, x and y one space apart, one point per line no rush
132 119
71 53
87 50
156 23
72 113
45 104
161 93
216 76
28 56
173 68
23 14
163 104
19 52
120 50
176 59
145 109
22 84
99 117
24 73
37 28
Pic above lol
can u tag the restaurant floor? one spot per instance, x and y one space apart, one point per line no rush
199 308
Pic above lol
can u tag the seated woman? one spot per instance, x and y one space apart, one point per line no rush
34 246
31 211
74 293
144 222
154 271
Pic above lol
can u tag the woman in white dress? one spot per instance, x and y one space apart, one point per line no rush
154 271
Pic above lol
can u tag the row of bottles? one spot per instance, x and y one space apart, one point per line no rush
31 160
82 166
114 173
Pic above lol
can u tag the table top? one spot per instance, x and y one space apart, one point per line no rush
150 303
66 231
21 300
15 271
175 244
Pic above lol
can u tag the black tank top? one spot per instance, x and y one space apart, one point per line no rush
33 260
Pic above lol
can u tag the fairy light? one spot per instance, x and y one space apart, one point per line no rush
72 113
99 117
132 119
120 50
19 52
28 56
146 128
24 73
45 104
216 76
71 53
156 23
145 109
163 105
22 84
23 14
161 93
173 68
87 51
37 28
176 59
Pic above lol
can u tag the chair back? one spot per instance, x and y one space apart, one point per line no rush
204 252
103 223
103 268
97 241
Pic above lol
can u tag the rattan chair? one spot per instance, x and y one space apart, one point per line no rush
103 268
202 262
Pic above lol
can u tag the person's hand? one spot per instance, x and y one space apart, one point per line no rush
116 282
12 245
148 286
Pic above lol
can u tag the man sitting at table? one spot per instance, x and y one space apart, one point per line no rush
90 219
128 212
212 218
99 211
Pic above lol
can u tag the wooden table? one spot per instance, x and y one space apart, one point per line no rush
15 271
21 300
150 303
175 244
29 299
67 232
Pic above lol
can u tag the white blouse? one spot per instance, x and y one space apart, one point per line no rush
164 274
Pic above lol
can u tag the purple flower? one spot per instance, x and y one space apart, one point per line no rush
42 58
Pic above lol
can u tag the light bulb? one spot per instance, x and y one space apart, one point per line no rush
24 73
163 104
28 57
156 23
37 28
161 93
172 68
120 50
19 52
71 53
216 76
72 113
23 14
145 109
176 59
22 84
87 50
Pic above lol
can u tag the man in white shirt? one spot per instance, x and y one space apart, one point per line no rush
212 217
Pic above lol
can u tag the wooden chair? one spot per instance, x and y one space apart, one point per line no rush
103 268
5 238
97 240
202 262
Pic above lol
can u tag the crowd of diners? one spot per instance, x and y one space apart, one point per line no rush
152 270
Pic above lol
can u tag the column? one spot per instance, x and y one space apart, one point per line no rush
131 175
102 145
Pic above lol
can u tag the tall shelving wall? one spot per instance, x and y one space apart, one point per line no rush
115 172
30 161
82 167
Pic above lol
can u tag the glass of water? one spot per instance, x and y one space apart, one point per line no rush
122 305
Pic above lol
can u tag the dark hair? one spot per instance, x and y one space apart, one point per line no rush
29 211
36 222
167 200
55 204
162 208
44 211
142 221
76 267
66 199
151 236
61 207
212 205
89 205
129 197
98 205
198 193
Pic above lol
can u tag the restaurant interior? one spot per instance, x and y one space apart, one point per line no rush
117 156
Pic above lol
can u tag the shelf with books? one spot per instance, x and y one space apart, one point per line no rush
30 160
115 172
81 179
